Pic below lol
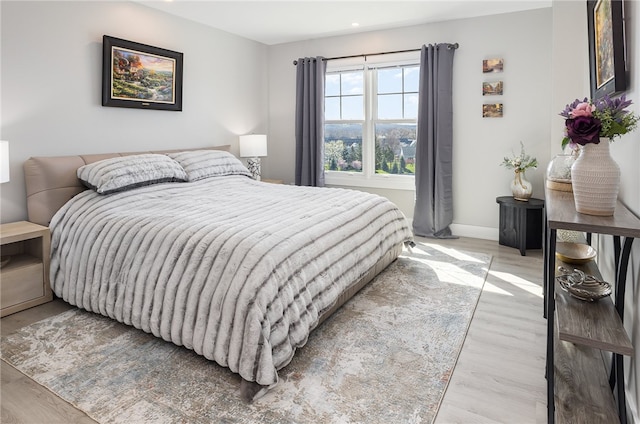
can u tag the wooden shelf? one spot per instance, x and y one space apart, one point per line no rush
592 324
582 393
583 330
21 261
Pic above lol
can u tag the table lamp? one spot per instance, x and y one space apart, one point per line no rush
253 146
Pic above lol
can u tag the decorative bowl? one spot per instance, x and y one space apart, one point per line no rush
589 290
574 253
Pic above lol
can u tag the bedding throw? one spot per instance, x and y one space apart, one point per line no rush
235 269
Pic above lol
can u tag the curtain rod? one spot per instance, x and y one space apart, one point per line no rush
450 46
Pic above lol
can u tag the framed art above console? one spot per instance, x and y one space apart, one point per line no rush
606 47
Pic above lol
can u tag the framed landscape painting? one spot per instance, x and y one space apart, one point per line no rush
492 65
492 110
606 47
492 88
139 76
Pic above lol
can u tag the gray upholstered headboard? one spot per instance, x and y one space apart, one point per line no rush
52 180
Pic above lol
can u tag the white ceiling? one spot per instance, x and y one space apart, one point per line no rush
276 22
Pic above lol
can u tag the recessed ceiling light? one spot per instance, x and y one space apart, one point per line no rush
355 24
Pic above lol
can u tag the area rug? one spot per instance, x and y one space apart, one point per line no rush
385 357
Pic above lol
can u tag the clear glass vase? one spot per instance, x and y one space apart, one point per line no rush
521 188
559 168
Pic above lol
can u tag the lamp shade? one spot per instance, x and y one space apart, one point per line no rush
4 161
253 145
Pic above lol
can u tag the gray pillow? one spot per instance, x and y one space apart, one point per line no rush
200 164
128 172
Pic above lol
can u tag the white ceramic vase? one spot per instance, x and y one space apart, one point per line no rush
521 189
596 180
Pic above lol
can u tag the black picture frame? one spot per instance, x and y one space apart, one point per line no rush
140 76
606 47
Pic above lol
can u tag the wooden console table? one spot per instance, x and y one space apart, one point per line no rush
578 387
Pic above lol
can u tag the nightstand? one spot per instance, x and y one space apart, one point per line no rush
24 279
268 180
520 223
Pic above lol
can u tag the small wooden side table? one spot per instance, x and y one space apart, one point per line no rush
521 223
24 279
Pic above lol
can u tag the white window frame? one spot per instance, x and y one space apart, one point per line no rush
368 177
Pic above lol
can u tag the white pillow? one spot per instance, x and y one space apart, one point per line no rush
200 164
128 172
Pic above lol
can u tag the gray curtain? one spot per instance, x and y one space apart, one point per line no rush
433 211
310 73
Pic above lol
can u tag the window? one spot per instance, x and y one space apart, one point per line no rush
371 124
396 122
344 121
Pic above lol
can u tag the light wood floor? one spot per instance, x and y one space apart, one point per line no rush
499 377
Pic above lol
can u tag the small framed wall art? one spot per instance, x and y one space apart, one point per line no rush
492 88
139 76
493 110
492 65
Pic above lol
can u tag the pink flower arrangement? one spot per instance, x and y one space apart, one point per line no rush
582 109
587 121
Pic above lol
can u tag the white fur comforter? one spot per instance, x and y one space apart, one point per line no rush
235 269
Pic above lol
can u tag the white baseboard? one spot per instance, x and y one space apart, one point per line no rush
473 231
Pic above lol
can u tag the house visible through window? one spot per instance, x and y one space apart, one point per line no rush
370 125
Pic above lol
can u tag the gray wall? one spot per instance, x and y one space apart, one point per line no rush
522 39
51 85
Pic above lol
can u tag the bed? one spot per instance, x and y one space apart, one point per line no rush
187 246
